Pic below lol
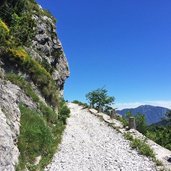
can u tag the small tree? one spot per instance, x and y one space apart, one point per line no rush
99 98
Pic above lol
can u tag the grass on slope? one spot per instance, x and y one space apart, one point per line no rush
41 129
142 147
35 138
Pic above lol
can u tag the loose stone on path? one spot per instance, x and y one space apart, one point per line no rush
91 145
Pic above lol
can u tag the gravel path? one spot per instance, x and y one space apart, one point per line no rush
90 145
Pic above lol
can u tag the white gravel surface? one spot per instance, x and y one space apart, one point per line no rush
91 145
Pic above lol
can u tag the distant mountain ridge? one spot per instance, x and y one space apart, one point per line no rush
153 114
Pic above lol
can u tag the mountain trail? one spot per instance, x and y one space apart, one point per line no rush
89 144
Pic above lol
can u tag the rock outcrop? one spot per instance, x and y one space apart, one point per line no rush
45 51
47 48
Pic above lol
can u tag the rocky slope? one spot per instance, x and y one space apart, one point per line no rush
33 70
90 144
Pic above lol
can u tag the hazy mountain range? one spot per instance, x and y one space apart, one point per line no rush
153 114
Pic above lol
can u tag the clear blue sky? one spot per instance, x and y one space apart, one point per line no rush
122 45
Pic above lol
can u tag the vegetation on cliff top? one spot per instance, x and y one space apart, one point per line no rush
18 16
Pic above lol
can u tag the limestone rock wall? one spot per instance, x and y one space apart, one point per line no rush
47 48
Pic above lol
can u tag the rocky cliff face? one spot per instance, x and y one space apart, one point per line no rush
28 74
47 48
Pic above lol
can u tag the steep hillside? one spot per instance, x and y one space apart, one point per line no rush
153 114
33 70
